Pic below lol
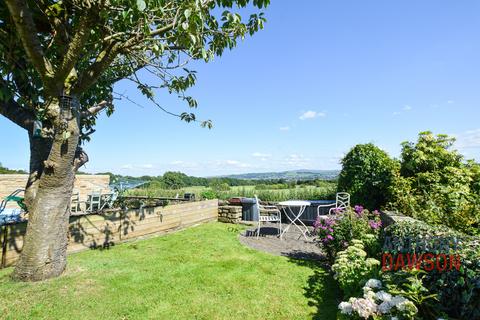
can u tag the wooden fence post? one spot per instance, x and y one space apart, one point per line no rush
4 246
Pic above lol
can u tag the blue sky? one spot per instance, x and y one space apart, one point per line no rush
322 77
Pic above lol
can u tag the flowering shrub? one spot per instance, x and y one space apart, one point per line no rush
377 303
352 268
336 232
409 283
458 291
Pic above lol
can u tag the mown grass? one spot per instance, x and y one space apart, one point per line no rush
200 273
326 192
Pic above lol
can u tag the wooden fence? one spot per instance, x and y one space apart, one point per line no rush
107 229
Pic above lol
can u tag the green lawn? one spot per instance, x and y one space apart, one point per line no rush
199 273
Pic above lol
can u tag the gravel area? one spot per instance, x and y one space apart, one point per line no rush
292 245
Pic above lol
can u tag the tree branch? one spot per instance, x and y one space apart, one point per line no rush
27 32
81 157
15 113
95 70
95 109
74 49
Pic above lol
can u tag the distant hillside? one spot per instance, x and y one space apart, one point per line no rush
289 175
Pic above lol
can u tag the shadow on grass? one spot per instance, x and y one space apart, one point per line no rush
321 289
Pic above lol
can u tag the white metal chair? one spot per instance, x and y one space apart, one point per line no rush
75 202
342 202
94 201
268 214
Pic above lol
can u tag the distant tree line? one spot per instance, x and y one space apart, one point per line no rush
174 180
4 170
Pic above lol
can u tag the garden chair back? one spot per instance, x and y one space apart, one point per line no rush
268 214
342 202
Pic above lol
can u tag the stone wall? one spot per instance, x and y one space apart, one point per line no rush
391 217
84 184
229 214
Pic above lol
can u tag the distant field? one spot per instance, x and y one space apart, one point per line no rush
299 192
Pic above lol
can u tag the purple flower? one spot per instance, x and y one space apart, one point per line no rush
376 212
374 224
328 238
330 222
358 209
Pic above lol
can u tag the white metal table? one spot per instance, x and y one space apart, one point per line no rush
289 208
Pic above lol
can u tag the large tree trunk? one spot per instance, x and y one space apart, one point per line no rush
48 195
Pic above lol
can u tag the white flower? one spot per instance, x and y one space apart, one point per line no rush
385 307
345 308
369 295
364 307
393 318
384 296
373 283
367 290
397 300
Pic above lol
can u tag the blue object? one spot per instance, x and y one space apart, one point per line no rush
10 215
319 202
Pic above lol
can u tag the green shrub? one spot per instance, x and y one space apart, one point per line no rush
458 290
352 268
367 174
209 194
435 185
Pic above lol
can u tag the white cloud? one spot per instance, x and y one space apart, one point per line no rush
396 113
468 139
450 102
237 164
137 166
184 164
261 155
407 107
286 128
312 114
297 161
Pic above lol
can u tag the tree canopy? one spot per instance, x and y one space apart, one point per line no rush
367 174
51 48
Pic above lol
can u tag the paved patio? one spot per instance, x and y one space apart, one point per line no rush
292 245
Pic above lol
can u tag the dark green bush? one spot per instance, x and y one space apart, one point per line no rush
458 290
367 174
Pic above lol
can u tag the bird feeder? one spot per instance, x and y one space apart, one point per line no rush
66 103
37 129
